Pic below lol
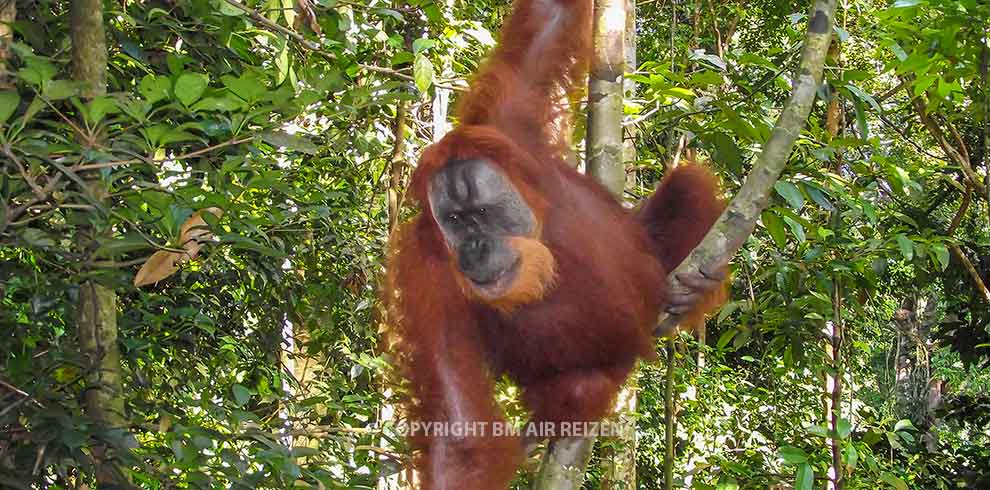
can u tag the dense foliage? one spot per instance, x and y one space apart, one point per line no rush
258 364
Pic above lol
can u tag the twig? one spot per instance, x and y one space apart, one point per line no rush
261 19
912 142
192 154
38 191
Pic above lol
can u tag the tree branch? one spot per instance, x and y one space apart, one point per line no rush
739 219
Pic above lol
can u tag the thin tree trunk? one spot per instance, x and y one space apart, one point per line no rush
97 307
668 415
833 387
388 413
89 46
604 142
619 458
913 322
566 459
8 12
834 124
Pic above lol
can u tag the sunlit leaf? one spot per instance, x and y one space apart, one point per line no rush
189 87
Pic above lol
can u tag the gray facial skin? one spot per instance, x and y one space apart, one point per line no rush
478 209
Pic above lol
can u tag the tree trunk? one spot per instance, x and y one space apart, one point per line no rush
89 46
911 383
566 460
619 457
604 142
833 387
564 465
97 307
8 12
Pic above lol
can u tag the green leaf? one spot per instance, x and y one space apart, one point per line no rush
904 424
727 152
906 246
36 238
851 456
775 226
241 394
290 141
923 82
189 87
38 71
422 44
843 428
893 481
154 88
793 455
790 193
727 483
818 195
100 107
796 228
423 73
225 8
303 451
227 103
248 86
129 242
9 99
726 337
804 477
941 254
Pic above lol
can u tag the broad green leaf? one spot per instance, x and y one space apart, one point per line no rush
851 456
290 141
790 193
941 254
225 8
8 104
727 483
894 482
248 86
422 44
775 226
793 455
37 71
796 227
36 238
904 424
100 107
843 428
241 394
423 73
727 152
282 63
61 89
922 83
189 87
818 195
154 88
227 103
804 478
906 246
726 337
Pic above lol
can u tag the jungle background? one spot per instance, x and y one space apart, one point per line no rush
196 197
